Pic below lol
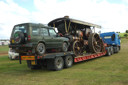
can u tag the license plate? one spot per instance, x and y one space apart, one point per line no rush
12 41
33 63
27 57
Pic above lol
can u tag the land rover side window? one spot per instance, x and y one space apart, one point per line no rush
20 28
44 32
35 31
52 32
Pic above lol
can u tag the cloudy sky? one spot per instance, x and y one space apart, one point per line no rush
112 15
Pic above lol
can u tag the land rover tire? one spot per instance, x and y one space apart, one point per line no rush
40 48
19 37
64 47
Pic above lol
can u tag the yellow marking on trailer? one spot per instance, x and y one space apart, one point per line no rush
27 57
33 63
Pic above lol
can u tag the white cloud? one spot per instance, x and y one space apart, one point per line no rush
112 17
11 14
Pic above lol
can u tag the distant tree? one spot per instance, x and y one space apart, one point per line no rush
125 35
126 31
117 32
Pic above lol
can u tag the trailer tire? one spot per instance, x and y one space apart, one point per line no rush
55 64
68 61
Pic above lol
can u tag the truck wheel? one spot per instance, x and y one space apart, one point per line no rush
118 49
68 61
112 51
40 48
109 51
55 64
64 47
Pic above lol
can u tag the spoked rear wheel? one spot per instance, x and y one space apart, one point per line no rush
77 48
95 43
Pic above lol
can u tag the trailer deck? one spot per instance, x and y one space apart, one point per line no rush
83 57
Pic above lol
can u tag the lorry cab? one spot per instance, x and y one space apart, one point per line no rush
111 38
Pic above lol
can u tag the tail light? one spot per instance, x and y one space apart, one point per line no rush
29 37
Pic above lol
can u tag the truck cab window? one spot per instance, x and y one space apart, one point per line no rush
113 37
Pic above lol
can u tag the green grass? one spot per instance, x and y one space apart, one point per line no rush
4 48
111 70
122 34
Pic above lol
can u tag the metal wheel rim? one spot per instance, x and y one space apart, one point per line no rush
41 48
69 61
77 48
97 43
65 46
59 63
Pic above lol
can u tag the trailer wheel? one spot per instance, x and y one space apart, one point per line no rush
55 64
68 61
109 51
40 48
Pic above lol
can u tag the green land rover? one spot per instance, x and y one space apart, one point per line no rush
36 38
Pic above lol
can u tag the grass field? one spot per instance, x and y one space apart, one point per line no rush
111 70
122 34
4 48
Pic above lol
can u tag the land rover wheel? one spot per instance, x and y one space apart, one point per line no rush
64 47
19 37
40 48
68 61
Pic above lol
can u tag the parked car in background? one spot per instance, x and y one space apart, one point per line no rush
12 55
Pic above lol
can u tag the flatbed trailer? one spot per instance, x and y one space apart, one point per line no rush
57 61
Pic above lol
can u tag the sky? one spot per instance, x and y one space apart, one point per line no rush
111 15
